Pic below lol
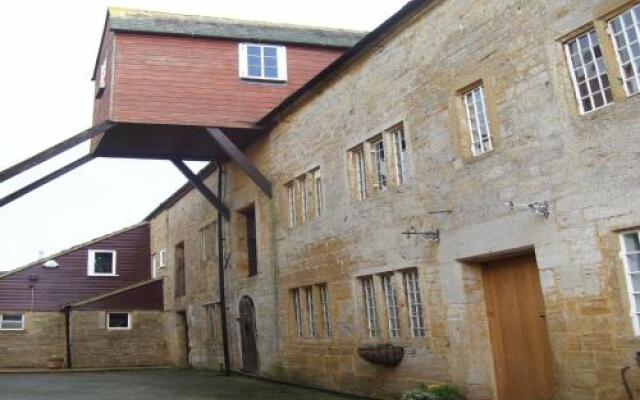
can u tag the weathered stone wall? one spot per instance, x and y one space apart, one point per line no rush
94 346
585 166
42 338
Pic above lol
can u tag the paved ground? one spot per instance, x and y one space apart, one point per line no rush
148 385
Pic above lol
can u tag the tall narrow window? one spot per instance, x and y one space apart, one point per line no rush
326 316
297 311
588 72
180 281
412 290
631 250
370 307
478 120
359 174
264 62
625 32
317 190
304 196
400 150
379 162
252 246
311 312
391 300
291 193
208 242
210 310
154 266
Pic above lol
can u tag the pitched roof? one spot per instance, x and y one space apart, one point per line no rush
72 249
349 57
130 20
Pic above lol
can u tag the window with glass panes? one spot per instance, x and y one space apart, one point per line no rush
291 194
631 260
379 161
326 316
304 198
264 62
359 174
311 312
11 322
588 72
297 311
400 152
478 120
317 190
391 300
414 299
625 32
370 306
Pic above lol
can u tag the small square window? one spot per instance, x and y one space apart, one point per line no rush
102 263
117 320
11 322
263 62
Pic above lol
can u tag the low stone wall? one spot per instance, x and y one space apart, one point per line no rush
94 346
42 338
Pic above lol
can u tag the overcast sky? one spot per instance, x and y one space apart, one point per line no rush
48 50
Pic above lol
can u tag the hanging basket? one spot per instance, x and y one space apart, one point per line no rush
382 354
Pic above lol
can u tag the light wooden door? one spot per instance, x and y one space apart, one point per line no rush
515 310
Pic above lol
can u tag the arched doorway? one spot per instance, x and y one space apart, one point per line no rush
248 335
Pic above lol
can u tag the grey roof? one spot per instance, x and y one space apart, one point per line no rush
127 20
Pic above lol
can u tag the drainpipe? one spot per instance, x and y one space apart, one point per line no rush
67 330
223 303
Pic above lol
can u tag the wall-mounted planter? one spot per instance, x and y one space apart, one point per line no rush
382 354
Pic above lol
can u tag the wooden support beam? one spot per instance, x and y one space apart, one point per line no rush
241 160
202 188
44 180
54 151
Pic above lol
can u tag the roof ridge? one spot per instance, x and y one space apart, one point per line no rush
120 12
74 248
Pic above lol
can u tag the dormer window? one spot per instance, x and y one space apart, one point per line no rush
263 62
102 263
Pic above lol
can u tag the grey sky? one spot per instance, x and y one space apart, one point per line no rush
48 49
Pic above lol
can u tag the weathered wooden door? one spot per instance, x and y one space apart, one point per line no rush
515 310
248 335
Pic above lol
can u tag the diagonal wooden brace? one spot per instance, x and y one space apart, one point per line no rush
44 180
202 188
54 151
241 160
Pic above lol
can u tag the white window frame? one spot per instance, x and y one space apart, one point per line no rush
474 114
326 314
291 195
399 140
371 311
281 54
102 82
414 301
317 187
91 262
154 266
304 198
108 318
311 312
162 258
22 327
393 308
627 47
360 173
599 74
634 307
297 311
379 156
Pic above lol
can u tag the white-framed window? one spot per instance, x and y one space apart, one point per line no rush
154 266
297 311
588 72
380 164
478 120
311 312
317 190
291 195
118 320
12 322
630 242
400 153
304 198
208 242
371 311
263 62
359 171
102 82
102 263
326 315
391 300
414 299
162 258
625 33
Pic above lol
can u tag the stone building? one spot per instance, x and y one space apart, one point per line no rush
472 125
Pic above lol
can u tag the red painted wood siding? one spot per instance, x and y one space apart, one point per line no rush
69 282
102 104
147 297
195 81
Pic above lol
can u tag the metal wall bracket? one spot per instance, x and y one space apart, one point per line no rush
434 236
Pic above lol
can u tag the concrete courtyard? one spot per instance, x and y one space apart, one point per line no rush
148 385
